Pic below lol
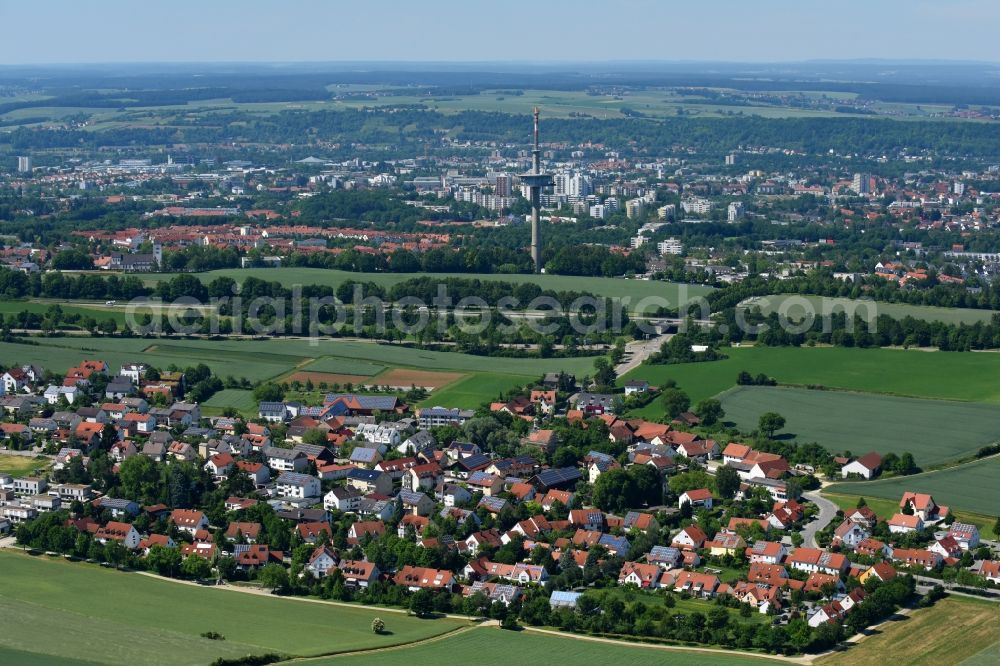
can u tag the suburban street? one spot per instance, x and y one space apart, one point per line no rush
638 351
827 512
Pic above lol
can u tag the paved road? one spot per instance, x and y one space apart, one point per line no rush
638 351
827 512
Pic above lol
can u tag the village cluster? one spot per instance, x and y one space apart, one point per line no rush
320 492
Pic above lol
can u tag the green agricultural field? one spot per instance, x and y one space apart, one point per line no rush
795 307
971 486
600 286
487 646
886 508
358 350
949 375
472 391
109 617
934 431
271 359
340 365
238 399
988 657
22 658
918 639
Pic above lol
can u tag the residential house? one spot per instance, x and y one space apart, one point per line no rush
902 523
813 559
285 460
849 534
322 561
916 557
243 531
297 486
346 499
696 584
424 578
690 537
698 497
189 520
370 481
883 571
123 533
966 534
430 417
274 412
358 574
644 576
357 532
923 505
416 503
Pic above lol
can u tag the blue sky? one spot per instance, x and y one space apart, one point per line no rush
71 31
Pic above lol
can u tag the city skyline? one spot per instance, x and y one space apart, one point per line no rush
450 31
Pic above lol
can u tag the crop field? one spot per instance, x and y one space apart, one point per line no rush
600 286
265 359
344 366
111 617
487 646
987 657
947 375
329 378
934 431
472 391
951 630
971 486
428 379
795 307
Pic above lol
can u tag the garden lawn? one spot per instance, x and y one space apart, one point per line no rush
239 399
487 646
934 431
974 486
85 612
950 375
951 630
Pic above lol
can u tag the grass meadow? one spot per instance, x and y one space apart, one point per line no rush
969 376
792 306
110 617
488 646
950 631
